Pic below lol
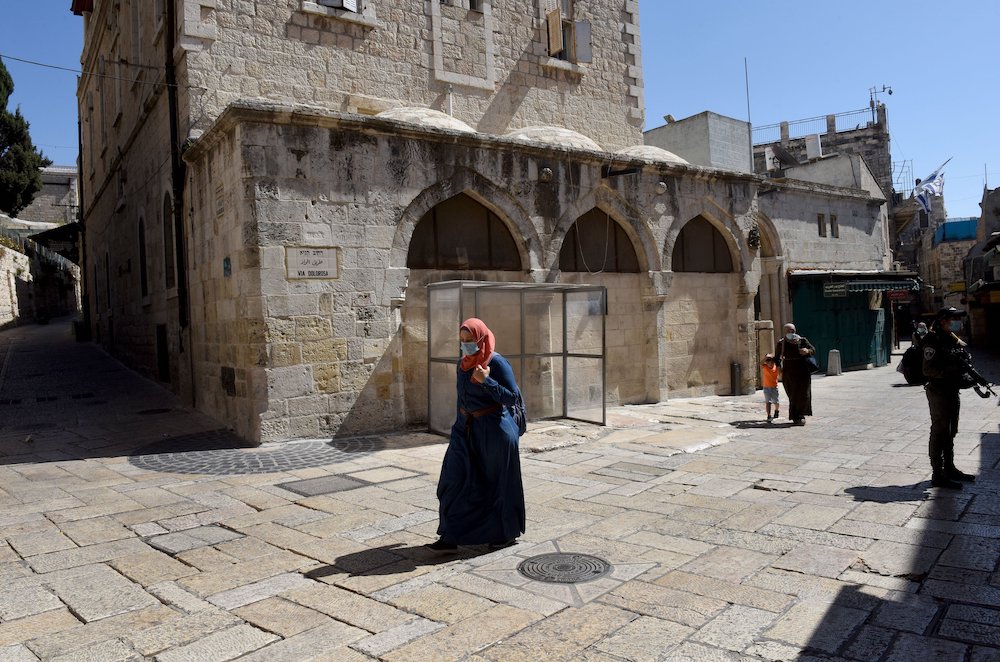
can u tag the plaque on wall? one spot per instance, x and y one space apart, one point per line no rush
312 262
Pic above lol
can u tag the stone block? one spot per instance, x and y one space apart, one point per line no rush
96 592
223 645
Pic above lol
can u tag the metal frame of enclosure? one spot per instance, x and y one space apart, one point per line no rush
553 335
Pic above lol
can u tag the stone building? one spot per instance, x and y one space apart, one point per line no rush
266 207
59 198
982 273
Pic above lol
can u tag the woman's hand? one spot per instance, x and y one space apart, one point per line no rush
480 373
804 351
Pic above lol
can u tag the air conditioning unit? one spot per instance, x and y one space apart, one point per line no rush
770 160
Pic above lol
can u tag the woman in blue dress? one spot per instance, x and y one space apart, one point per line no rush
480 492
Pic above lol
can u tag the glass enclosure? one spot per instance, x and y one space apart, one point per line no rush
552 334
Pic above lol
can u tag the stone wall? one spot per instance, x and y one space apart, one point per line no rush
58 200
490 69
15 287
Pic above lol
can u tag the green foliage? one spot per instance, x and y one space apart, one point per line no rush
9 243
20 162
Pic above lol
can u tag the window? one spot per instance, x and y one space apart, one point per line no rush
598 244
701 247
460 233
834 226
143 278
349 5
821 224
169 264
568 39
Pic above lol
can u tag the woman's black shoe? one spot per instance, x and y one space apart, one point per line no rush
955 474
501 545
442 547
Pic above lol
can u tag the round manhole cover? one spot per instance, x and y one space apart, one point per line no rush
564 568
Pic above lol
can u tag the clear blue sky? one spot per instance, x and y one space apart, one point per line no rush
805 59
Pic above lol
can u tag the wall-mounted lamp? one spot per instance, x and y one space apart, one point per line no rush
545 175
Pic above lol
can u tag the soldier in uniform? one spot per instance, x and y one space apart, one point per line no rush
946 365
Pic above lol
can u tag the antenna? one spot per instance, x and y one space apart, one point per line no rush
873 93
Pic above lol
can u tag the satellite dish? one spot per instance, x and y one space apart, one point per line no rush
784 156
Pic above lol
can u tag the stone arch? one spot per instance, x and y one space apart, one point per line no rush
726 227
625 215
770 240
483 191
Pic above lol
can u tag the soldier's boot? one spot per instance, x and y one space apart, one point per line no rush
952 472
939 476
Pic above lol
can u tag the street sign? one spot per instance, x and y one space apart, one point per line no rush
896 295
835 289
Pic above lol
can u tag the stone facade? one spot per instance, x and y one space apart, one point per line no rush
15 269
59 199
312 133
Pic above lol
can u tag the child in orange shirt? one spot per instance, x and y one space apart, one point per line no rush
771 372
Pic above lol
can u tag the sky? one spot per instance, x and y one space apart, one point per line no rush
801 59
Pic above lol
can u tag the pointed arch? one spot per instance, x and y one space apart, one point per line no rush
484 192
734 247
702 248
627 218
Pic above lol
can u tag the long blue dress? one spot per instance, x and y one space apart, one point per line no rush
480 491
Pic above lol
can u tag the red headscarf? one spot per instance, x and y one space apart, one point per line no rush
484 339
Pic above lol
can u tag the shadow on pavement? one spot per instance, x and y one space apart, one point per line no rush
943 586
762 425
392 559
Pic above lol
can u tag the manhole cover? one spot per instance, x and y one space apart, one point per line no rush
564 568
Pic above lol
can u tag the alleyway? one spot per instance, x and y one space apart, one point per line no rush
134 529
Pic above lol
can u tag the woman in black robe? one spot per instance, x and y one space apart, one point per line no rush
794 351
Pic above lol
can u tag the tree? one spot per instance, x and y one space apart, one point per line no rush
20 163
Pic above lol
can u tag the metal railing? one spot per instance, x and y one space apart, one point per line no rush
33 249
846 121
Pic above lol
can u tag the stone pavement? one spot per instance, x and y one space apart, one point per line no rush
134 529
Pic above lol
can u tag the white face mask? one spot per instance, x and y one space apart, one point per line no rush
468 348
790 336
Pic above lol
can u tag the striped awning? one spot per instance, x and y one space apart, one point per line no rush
882 285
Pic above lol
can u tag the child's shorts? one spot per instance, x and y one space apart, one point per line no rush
771 395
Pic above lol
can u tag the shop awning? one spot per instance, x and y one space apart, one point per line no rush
882 285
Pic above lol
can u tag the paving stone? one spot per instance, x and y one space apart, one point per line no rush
66 642
441 603
694 652
29 627
818 626
817 560
972 553
106 651
232 575
383 642
472 634
95 530
282 617
875 531
899 560
82 556
218 646
505 594
96 591
150 567
809 516
728 563
664 603
350 608
725 591
325 643
17 653
871 643
26 597
816 537
735 628
181 631
973 624
906 612
42 542
644 639
561 636
256 591
909 647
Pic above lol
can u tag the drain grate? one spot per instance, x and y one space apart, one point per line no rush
564 568
322 485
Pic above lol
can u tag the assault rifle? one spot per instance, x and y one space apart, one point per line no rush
982 386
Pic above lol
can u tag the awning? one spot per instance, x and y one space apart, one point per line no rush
882 285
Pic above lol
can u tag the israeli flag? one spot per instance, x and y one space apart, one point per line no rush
933 185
